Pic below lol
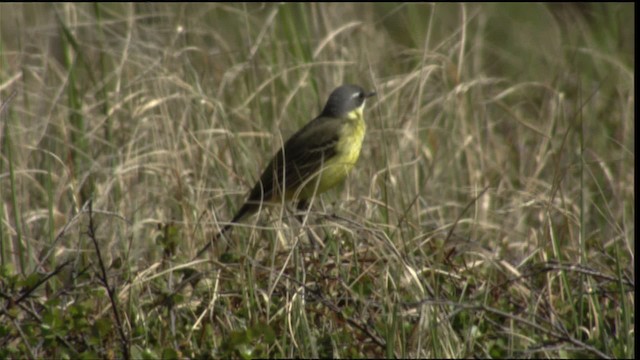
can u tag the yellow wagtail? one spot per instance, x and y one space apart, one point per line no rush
313 160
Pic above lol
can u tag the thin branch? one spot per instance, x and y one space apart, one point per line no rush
105 282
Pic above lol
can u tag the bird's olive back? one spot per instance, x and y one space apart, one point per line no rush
343 100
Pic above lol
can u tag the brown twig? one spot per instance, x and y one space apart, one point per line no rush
111 291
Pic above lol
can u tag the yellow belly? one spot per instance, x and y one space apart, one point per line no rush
337 168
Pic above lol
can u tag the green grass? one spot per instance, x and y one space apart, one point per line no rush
491 213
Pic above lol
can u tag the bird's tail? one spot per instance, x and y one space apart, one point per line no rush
215 239
244 211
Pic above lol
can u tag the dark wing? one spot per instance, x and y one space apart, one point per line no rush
305 152
301 156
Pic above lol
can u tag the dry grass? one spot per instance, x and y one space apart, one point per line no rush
490 215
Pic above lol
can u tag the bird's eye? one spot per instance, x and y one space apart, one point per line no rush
361 95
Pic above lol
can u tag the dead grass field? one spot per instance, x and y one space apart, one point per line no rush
491 213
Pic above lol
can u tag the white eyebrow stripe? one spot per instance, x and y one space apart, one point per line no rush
355 95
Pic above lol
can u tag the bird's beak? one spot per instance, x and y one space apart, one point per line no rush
373 93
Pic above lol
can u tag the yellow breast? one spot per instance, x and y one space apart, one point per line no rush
347 153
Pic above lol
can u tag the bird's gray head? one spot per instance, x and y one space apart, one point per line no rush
344 100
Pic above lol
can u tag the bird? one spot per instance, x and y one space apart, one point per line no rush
314 159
